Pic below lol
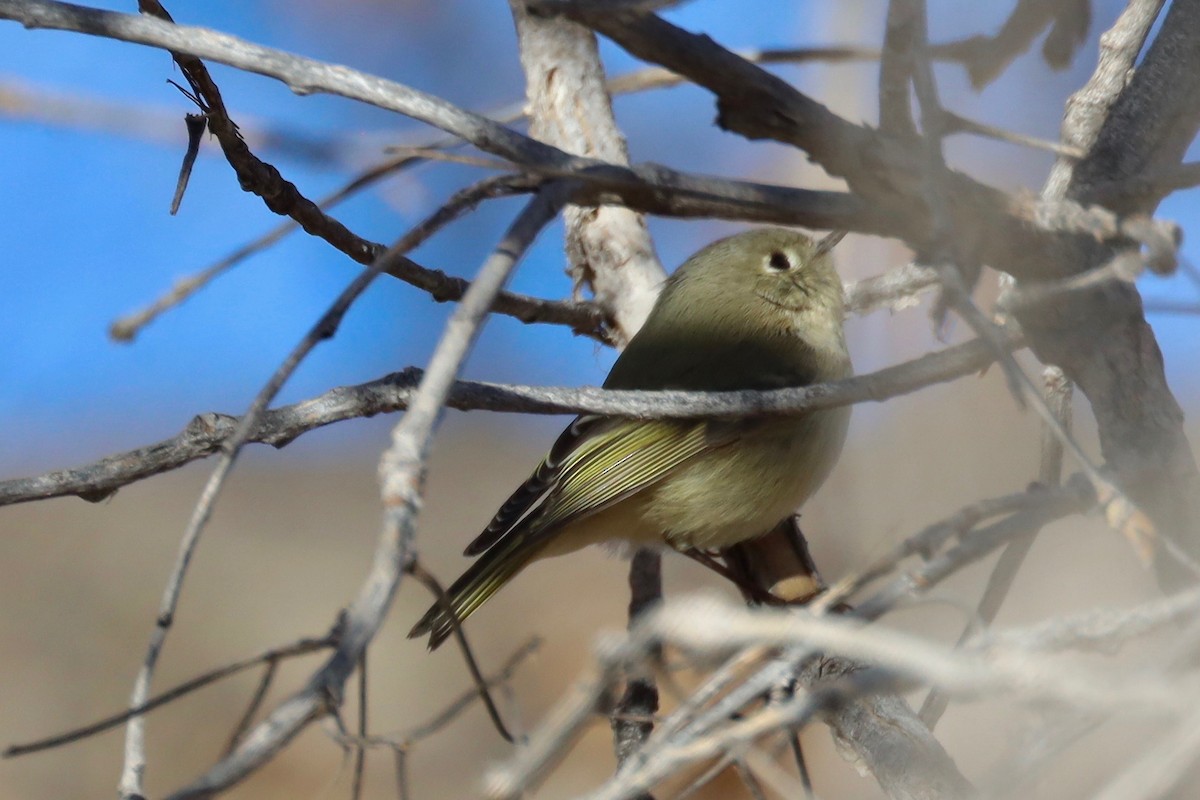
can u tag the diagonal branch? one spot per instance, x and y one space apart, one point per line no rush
402 475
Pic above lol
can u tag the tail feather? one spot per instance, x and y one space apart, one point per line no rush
492 570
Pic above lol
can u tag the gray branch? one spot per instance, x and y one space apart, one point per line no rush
206 434
402 472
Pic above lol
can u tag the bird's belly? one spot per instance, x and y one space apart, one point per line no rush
742 491
724 497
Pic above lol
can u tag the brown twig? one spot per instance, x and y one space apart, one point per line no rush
270 658
360 752
256 701
1038 509
401 471
1057 391
426 579
230 449
641 693
986 57
929 540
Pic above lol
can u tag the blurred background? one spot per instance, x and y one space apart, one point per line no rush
93 137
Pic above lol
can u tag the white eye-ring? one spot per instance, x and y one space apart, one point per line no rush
778 261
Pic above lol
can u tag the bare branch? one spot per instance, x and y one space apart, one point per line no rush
1058 392
609 248
402 475
933 537
640 700
986 57
269 657
231 447
956 123
706 628
1099 630
210 433
582 318
874 165
1146 130
896 289
882 731
1040 509
1088 109
424 577
895 72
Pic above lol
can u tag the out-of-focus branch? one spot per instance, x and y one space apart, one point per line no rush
1087 109
1103 630
881 730
883 171
324 328
402 471
986 57
1022 513
1058 393
403 740
160 125
1131 124
1038 510
706 628
895 289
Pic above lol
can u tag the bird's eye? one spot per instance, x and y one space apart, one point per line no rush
779 261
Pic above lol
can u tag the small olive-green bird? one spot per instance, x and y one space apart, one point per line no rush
759 310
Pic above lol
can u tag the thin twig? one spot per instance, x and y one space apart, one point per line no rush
128 326
403 741
1042 507
1119 511
583 318
401 473
1058 391
641 693
749 780
924 543
270 658
834 142
231 447
1103 630
426 579
360 752
956 123
256 701
196 125
451 712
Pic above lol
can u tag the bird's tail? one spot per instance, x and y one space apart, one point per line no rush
492 570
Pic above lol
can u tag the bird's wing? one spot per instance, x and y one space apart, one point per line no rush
530 493
596 462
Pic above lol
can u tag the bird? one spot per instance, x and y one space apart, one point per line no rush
762 309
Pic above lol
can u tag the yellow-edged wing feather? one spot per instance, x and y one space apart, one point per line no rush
597 462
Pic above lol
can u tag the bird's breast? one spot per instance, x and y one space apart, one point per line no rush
742 490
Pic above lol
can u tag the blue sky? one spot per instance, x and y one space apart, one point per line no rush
87 237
